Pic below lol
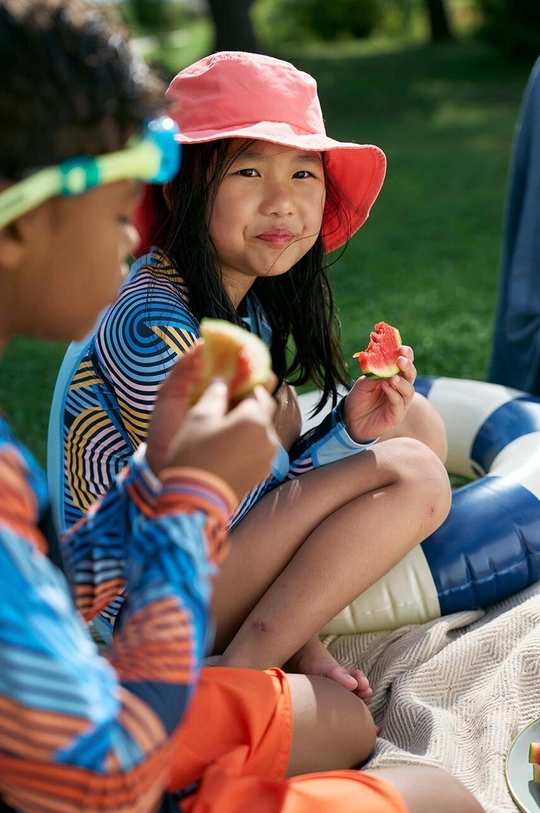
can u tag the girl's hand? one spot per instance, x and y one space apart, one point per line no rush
288 418
373 407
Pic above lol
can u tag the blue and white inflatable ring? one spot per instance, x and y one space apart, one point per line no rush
489 546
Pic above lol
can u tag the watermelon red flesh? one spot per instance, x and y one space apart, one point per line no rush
379 359
534 752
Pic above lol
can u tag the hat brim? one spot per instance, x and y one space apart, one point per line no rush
357 170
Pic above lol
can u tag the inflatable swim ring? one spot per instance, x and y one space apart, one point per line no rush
489 546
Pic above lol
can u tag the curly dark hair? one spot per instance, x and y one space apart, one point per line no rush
70 84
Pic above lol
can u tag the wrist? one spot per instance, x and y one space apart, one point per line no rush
154 457
144 464
345 419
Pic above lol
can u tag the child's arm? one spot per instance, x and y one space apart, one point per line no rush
76 734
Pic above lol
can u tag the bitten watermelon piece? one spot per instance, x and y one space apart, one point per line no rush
234 354
534 752
379 359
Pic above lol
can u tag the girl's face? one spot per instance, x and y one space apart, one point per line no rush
267 214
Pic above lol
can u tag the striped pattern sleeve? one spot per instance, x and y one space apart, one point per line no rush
109 400
78 733
326 443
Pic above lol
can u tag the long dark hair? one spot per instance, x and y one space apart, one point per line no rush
299 304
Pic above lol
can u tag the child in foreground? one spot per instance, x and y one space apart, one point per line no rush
240 234
77 733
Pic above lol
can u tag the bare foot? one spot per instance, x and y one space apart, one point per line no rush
314 659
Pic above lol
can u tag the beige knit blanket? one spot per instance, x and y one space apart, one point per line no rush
454 692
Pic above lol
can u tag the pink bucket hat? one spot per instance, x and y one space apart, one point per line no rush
235 94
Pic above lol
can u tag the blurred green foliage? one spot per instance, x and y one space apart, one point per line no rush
155 17
513 26
151 15
287 20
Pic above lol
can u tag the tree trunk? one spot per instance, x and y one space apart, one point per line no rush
438 20
234 31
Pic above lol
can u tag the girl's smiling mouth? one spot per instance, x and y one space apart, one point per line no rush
277 237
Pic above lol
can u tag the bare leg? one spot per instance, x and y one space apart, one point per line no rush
311 546
423 423
332 729
426 790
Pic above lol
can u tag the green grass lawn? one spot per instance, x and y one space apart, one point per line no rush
427 260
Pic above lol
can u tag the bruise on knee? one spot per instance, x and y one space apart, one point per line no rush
260 626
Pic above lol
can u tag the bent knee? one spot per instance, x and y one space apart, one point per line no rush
422 472
332 728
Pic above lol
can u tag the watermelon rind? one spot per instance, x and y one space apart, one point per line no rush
251 347
381 372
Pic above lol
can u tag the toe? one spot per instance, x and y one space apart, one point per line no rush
342 677
363 690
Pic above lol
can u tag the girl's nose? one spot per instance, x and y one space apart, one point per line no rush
278 200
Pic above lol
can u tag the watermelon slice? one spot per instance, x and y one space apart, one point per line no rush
379 359
234 354
534 752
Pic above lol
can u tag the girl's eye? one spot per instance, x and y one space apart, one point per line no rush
247 173
303 173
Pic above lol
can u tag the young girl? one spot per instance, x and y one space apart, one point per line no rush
240 234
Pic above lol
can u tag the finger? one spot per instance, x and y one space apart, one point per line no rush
214 402
180 379
270 386
260 404
265 401
391 391
405 350
398 390
363 385
407 368
256 411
